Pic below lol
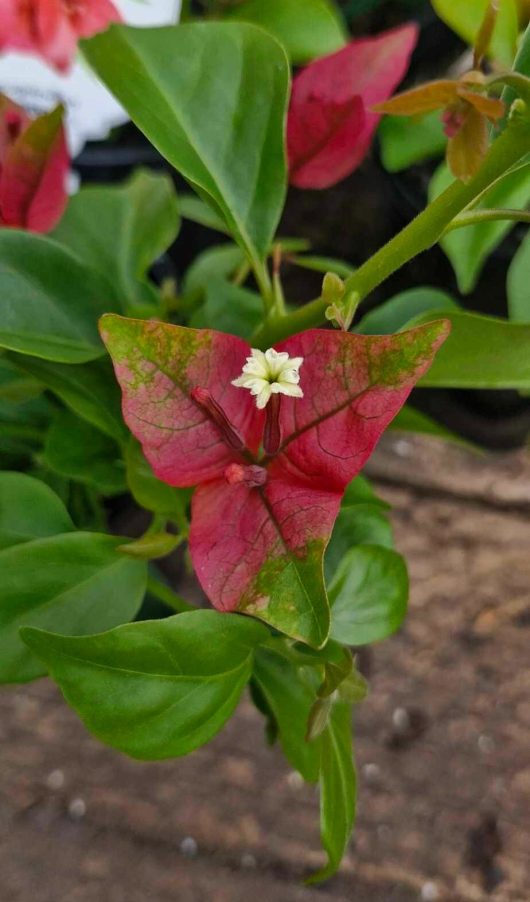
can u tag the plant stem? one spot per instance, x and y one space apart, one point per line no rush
419 235
161 591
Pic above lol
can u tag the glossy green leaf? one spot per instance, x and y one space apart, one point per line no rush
368 595
23 421
196 210
120 230
49 301
155 689
409 419
290 693
76 583
205 110
357 524
338 788
481 352
406 141
75 450
466 19
89 389
29 510
307 30
218 262
323 264
151 546
147 490
229 308
518 284
395 313
361 491
468 248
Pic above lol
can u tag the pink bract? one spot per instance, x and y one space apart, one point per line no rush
330 126
51 29
260 524
34 164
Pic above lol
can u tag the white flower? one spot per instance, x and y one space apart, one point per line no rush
270 373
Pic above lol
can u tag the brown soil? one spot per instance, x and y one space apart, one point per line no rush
442 744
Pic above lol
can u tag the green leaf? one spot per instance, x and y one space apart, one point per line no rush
49 301
358 523
229 308
151 546
409 419
155 689
368 595
218 262
323 264
361 491
290 692
195 210
468 248
205 110
76 583
395 313
481 352
407 141
518 284
29 510
147 490
466 19
338 788
89 389
121 230
307 30
76 450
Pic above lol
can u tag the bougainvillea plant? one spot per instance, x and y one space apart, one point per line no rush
233 421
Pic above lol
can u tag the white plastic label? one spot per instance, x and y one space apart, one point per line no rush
91 109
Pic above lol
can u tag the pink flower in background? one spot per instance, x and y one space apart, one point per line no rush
330 126
51 29
34 164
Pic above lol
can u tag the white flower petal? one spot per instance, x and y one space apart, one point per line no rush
270 372
264 396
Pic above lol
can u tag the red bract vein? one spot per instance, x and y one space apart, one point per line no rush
261 522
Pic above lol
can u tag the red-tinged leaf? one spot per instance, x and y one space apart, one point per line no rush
50 29
260 524
260 551
432 96
331 123
158 366
354 385
33 175
320 138
469 145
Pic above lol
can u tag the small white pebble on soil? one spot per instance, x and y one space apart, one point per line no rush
486 744
77 809
429 891
55 779
189 847
401 719
371 772
295 780
248 861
